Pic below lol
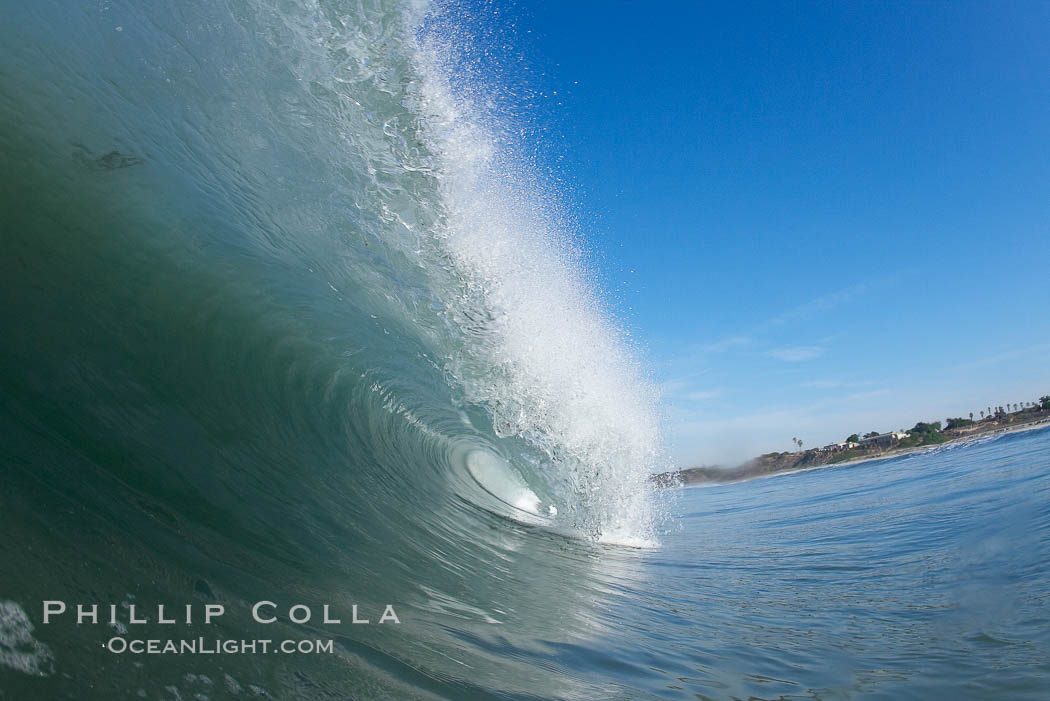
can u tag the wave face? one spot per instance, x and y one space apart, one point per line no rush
287 319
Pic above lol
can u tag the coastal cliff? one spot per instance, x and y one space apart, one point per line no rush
922 436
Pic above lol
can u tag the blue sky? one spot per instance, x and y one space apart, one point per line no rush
817 218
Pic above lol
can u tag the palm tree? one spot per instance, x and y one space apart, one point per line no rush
982 413
971 416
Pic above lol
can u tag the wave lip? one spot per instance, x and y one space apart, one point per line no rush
542 354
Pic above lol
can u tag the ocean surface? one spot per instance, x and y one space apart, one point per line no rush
290 315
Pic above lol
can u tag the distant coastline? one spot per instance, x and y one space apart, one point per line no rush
873 447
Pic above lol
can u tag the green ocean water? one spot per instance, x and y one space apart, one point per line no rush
285 321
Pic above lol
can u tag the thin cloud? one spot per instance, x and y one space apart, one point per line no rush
795 354
679 387
867 395
816 306
823 384
725 344
672 388
836 384
1003 357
